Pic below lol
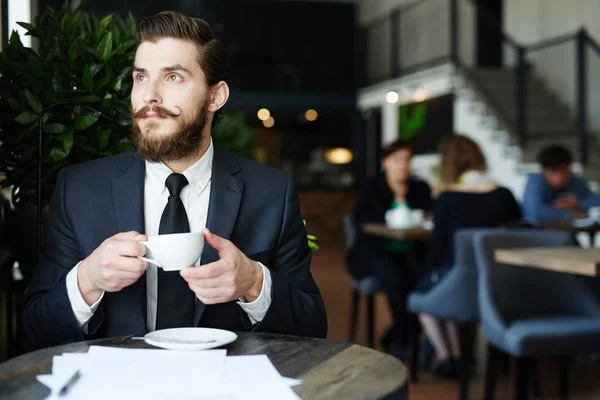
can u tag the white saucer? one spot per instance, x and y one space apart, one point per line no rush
221 337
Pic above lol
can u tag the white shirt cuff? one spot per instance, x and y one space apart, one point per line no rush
257 309
82 311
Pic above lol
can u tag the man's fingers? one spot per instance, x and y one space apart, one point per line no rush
132 264
128 248
211 270
209 283
211 295
131 235
216 242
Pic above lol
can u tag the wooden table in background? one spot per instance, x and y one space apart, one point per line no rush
572 260
567 225
379 229
328 369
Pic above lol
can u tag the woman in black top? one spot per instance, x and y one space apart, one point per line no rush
469 199
385 258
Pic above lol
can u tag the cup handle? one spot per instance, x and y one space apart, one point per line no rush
148 260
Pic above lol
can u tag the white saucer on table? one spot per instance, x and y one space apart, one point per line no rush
176 338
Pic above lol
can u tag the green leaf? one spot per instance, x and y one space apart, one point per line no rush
15 105
104 139
33 102
25 25
105 46
27 117
54 128
67 141
73 52
95 68
119 84
56 154
87 81
84 121
87 99
105 22
35 65
311 237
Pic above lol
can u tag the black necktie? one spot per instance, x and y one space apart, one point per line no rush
175 300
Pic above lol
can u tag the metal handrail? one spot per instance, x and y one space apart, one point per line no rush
555 41
487 94
594 44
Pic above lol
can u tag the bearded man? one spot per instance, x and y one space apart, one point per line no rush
254 273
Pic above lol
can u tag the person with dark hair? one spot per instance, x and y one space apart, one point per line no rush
254 272
556 193
388 259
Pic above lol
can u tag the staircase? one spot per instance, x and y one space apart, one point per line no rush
549 120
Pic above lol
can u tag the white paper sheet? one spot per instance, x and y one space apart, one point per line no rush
115 373
255 377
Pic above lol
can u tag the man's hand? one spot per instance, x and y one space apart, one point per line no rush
112 266
232 277
568 203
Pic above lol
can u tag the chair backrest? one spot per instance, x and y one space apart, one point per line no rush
509 292
464 254
349 231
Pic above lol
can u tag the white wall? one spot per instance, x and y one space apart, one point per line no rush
19 11
532 21
423 33
469 119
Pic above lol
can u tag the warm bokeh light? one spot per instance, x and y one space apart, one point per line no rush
420 95
263 114
269 122
392 97
338 155
311 115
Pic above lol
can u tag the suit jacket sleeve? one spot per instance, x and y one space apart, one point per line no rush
48 318
296 304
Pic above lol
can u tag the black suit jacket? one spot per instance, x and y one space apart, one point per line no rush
373 201
254 206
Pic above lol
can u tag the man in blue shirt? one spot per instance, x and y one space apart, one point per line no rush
556 193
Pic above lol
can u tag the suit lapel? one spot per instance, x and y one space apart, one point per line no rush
128 202
225 198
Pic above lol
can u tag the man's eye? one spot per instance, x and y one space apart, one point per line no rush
141 78
174 78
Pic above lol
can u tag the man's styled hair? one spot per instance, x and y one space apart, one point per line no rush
213 56
555 156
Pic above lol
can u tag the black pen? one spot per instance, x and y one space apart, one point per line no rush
70 383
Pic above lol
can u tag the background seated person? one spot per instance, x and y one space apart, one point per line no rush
469 200
387 258
556 193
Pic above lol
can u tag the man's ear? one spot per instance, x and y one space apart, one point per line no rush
219 94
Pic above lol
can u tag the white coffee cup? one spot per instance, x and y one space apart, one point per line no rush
417 217
174 251
594 212
398 218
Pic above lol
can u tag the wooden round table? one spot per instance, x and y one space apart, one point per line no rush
329 369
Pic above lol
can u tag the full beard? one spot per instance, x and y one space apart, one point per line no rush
179 145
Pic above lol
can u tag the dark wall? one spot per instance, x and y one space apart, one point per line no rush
290 45
274 45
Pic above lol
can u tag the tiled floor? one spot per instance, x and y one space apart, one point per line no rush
328 270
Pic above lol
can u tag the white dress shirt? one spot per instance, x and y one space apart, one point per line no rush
195 197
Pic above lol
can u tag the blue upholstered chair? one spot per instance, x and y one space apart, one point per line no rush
529 312
455 299
368 286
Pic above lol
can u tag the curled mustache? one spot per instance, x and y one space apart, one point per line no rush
160 111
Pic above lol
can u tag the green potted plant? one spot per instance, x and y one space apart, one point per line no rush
76 85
